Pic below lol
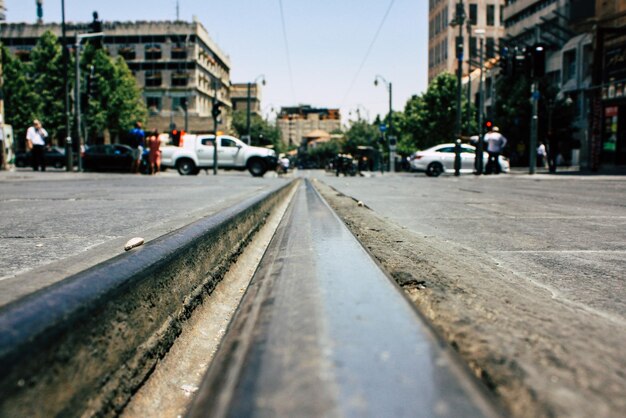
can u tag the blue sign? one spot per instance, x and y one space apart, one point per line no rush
382 127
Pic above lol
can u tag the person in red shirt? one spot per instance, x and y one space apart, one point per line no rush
154 146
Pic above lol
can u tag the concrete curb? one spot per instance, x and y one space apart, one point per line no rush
82 346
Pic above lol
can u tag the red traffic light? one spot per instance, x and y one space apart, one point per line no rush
488 124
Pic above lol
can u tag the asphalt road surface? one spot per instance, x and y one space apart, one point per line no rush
525 275
55 223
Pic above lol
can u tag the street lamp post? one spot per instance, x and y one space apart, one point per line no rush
480 147
249 136
69 166
459 18
77 110
392 147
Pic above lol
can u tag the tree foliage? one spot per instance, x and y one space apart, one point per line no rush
20 100
360 133
115 103
35 89
263 134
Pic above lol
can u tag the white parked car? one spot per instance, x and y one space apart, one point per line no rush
440 159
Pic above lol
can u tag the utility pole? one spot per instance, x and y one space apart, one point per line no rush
390 137
481 98
215 112
534 91
459 18
69 166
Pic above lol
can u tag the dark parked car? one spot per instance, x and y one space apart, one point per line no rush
110 157
54 157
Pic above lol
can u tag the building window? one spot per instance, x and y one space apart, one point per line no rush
490 46
491 15
127 52
179 52
473 14
153 52
180 79
153 104
153 79
569 65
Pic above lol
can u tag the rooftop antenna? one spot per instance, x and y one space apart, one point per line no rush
177 10
39 11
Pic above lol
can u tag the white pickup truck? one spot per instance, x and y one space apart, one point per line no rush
195 153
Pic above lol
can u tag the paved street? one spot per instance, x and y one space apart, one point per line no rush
57 223
536 226
523 274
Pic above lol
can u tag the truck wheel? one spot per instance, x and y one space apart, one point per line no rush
257 167
185 167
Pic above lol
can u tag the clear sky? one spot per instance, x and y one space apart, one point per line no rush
325 62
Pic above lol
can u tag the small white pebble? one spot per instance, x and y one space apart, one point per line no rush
360 204
132 243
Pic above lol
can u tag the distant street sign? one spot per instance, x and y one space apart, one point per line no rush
382 127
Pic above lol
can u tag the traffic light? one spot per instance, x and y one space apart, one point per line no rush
459 47
538 60
96 27
488 124
217 109
505 61
175 137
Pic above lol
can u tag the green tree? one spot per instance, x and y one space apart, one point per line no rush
323 153
115 103
430 119
46 76
360 133
127 104
20 100
512 115
263 134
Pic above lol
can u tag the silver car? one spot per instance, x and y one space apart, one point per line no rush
440 159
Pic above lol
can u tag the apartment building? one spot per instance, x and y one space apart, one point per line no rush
442 33
239 94
295 123
172 61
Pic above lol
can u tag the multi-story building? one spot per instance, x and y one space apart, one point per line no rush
298 121
607 145
442 34
557 26
239 94
173 62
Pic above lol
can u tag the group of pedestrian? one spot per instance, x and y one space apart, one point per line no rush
37 136
140 143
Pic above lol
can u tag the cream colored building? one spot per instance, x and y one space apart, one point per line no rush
295 123
479 14
171 61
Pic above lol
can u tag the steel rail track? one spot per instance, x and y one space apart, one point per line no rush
322 331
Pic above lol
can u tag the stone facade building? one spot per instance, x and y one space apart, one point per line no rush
172 61
479 14
298 121
239 97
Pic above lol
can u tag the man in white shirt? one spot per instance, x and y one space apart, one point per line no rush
36 142
495 145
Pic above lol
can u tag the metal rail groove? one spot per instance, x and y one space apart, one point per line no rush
322 331
82 346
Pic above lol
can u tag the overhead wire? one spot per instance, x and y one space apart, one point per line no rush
369 50
282 19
